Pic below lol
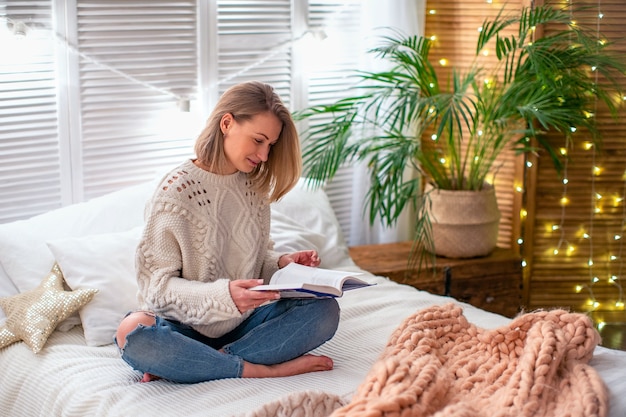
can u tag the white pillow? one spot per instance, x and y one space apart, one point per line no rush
105 262
312 224
23 251
290 236
302 219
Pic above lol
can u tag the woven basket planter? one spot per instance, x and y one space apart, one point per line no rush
464 223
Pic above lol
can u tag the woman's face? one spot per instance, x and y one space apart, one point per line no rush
248 143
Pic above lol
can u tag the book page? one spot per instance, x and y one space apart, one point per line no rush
296 273
300 281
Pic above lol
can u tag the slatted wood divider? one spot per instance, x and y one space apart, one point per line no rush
593 215
551 280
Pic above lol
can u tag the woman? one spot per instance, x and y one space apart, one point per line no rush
206 243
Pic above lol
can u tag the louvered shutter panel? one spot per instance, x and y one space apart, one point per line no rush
254 44
137 59
592 222
454 27
30 157
123 66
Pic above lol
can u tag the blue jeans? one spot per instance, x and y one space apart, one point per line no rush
273 333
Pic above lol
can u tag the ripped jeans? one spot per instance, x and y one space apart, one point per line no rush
273 333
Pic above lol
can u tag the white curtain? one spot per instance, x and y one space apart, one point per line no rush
408 17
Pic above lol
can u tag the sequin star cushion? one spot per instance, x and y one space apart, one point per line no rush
33 315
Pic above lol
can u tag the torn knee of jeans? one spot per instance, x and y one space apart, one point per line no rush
137 329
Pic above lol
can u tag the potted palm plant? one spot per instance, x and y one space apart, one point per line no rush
452 131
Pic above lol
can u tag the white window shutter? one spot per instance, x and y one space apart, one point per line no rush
30 167
99 113
254 44
137 60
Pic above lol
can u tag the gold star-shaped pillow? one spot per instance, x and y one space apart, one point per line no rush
33 315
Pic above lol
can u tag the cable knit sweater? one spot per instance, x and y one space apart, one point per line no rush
202 231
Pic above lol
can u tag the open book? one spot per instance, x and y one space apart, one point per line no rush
299 281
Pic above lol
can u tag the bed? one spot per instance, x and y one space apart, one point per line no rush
382 334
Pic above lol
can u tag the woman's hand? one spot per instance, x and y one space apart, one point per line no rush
246 299
303 257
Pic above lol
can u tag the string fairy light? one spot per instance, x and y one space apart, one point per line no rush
615 280
564 199
595 263
20 29
588 234
595 209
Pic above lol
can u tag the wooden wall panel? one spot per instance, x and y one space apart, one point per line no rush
588 264
594 214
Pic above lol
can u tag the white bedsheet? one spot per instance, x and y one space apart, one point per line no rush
69 378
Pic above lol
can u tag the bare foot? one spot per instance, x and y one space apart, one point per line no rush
297 366
149 377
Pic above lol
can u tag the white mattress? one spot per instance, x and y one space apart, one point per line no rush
69 378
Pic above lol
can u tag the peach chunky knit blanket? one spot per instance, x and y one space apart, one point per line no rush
438 364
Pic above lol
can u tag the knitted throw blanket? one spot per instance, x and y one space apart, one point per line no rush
438 364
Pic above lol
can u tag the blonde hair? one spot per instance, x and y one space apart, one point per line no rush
280 173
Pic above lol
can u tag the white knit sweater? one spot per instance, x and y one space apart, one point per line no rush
202 231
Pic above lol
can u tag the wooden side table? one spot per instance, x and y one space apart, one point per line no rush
493 283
